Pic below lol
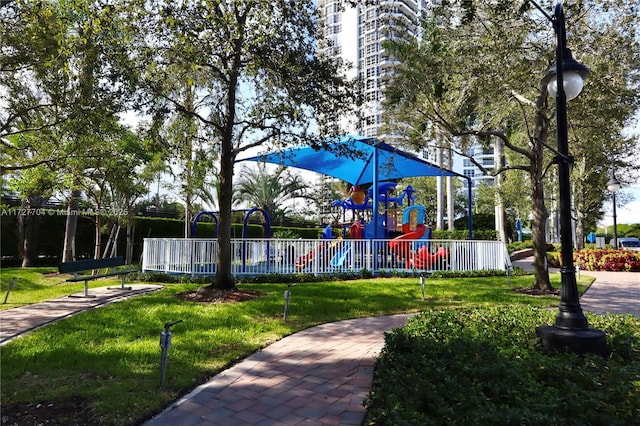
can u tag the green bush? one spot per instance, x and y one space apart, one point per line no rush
486 366
481 221
160 277
554 259
463 234
519 245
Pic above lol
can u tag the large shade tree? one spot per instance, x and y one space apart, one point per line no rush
476 75
257 79
63 70
64 75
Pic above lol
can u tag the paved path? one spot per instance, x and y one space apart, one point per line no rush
17 321
611 292
317 376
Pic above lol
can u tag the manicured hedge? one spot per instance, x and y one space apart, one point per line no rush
52 227
485 366
463 234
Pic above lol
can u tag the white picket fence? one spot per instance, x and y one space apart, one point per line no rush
197 256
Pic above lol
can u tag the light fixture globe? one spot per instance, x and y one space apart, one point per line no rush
613 184
574 73
573 84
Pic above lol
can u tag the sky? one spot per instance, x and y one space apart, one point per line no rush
628 213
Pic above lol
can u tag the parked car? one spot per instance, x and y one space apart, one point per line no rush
630 243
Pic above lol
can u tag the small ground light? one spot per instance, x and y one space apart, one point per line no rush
165 344
287 297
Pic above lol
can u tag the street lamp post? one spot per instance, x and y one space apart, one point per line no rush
564 80
613 185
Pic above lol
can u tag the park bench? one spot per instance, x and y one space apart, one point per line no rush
82 270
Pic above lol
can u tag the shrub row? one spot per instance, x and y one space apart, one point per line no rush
159 277
486 366
52 227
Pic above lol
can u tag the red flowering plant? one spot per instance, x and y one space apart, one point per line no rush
607 260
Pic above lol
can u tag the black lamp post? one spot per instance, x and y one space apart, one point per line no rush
613 185
564 80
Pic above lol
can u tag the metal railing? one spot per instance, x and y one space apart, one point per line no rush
197 256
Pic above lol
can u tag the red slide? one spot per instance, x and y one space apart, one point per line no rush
424 260
305 259
401 248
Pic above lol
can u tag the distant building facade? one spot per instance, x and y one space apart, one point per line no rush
355 35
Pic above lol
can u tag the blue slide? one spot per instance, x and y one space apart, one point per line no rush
341 256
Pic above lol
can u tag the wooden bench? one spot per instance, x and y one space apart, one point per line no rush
82 270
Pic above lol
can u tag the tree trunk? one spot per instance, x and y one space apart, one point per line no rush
500 222
129 249
578 210
439 192
224 279
450 193
29 224
540 216
539 209
579 228
187 217
69 249
98 239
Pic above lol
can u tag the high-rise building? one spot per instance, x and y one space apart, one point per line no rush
355 35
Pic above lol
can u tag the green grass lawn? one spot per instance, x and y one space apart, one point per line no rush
34 285
109 357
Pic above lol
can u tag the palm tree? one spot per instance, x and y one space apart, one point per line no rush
269 191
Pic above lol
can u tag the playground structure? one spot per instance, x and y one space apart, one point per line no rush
408 246
375 239
417 254
403 249
245 222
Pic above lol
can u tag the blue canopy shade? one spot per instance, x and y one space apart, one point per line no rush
352 159
360 160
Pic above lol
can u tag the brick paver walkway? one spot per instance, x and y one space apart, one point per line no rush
318 376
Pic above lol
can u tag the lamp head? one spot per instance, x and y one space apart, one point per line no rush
614 184
574 73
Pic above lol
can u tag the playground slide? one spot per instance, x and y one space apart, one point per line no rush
402 248
425 260
397 242
306 259
341 256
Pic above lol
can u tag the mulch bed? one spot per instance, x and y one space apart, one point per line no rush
218 296
536 291
69 412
